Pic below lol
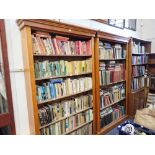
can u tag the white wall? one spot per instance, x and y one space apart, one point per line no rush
24 123
148 31
104 27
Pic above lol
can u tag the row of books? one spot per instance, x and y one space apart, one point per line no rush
85 130
111 73
137 48
107 51
137 83
43 43
56 88
139 59
68 124
111 114
138 70
57 111
114 94
48 68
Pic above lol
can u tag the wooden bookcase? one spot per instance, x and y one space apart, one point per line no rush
137 97
151 71
112 39
61 29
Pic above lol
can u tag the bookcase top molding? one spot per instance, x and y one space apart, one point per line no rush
56 27
140 40
112 37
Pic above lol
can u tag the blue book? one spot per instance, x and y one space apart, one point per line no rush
52 90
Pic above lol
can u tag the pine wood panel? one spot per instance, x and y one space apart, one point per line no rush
57 27
29 77
97 85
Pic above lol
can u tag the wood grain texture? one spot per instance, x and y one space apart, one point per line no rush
97 85
56 27
93 84
29 78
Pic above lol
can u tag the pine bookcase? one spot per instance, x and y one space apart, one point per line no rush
112 39
58 28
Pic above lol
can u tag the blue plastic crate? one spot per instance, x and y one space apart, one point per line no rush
137 126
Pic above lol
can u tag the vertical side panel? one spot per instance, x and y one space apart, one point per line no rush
97 85
30 78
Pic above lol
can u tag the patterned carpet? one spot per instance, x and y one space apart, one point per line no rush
115 130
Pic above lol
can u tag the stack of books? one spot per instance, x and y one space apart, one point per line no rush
111 96
106 51
138 83
48 68
111 73
138 70
57 111
111 114
66 126
45 44
56 88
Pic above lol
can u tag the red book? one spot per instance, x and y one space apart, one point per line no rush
77 47
55 46
89 48
41 46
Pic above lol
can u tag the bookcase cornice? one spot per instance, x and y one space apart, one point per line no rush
112 37
140 40
55 26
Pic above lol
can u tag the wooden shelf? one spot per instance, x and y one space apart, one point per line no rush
139 54
68 132
112 125
64 118
112 104
151 63
152 89
63 76
138 90
137 76
139 64
111 84
63 97
45 55
112 59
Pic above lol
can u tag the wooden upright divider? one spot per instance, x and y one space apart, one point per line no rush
29 26
112 39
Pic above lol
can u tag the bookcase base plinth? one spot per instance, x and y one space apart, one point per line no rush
112 125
